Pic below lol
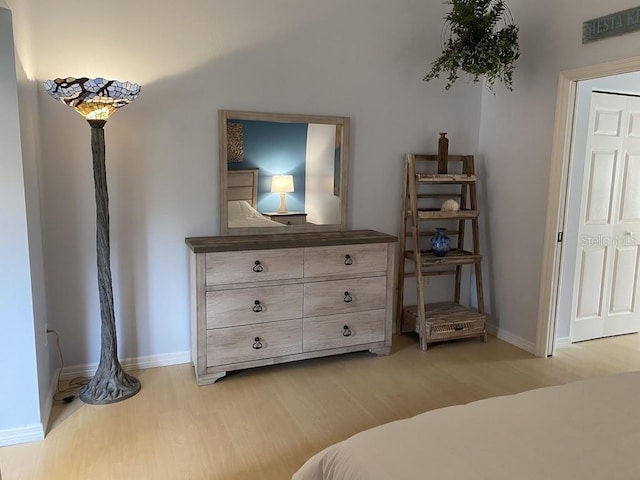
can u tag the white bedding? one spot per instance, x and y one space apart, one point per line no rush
585 430
241 214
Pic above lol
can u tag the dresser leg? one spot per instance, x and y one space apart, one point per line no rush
209 378
381 351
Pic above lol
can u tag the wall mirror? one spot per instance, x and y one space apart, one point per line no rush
282 173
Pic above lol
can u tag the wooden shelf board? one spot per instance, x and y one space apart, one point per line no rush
446 312
430 233
438 195
447 215
285 240
453 257
445 178
431 273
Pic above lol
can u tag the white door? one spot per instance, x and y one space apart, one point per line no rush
606 285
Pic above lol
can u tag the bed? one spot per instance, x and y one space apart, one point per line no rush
241 214
242 196
588 429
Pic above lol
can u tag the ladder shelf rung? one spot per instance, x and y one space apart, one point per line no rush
437 214
438 195
445 178
453 257
430 273
430 233
447 215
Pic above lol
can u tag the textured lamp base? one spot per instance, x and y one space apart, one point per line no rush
107 387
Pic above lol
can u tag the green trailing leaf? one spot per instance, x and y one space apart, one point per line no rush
476 45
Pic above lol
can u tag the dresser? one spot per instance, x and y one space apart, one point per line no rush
264 299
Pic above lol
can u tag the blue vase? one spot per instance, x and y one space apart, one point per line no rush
440 243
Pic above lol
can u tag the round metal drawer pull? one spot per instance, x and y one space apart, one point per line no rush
347 297
257 267
257 344
257 307
346 331
348 260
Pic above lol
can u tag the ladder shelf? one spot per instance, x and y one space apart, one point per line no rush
423 190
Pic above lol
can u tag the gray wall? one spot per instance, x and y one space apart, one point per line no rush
362 58
516 135
24 367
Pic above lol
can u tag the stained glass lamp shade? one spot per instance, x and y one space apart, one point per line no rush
93 98
96 99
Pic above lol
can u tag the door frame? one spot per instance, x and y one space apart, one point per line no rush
557 193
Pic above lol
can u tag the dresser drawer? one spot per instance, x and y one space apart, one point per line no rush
253 342
345 259
344 296
244 306
333 331
253 266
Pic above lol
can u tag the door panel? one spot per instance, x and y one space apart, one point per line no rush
600 190
634 124
593 267
624 279
630 207
607 122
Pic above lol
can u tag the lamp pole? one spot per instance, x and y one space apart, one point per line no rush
110 383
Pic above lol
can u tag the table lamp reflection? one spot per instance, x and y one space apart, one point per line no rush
282 184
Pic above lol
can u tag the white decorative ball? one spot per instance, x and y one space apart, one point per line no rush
450 206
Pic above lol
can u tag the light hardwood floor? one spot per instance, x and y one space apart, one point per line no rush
264 423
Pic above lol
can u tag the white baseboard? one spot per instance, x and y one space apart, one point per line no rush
491 329
32 433
137 363
511 338
29 433
563 342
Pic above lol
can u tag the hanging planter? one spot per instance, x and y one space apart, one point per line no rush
479 38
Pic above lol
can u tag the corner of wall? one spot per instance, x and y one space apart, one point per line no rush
25 353
511 338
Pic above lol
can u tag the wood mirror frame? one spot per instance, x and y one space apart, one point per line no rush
333 190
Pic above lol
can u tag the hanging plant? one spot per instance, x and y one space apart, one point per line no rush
474 43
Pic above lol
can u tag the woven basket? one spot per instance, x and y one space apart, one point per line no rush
448 321
443 330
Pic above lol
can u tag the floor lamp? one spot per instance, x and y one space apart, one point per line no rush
96 99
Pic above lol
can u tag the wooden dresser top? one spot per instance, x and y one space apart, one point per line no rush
286 240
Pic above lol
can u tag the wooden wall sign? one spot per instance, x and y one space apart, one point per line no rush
610 25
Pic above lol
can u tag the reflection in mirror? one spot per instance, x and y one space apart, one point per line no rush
282 172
